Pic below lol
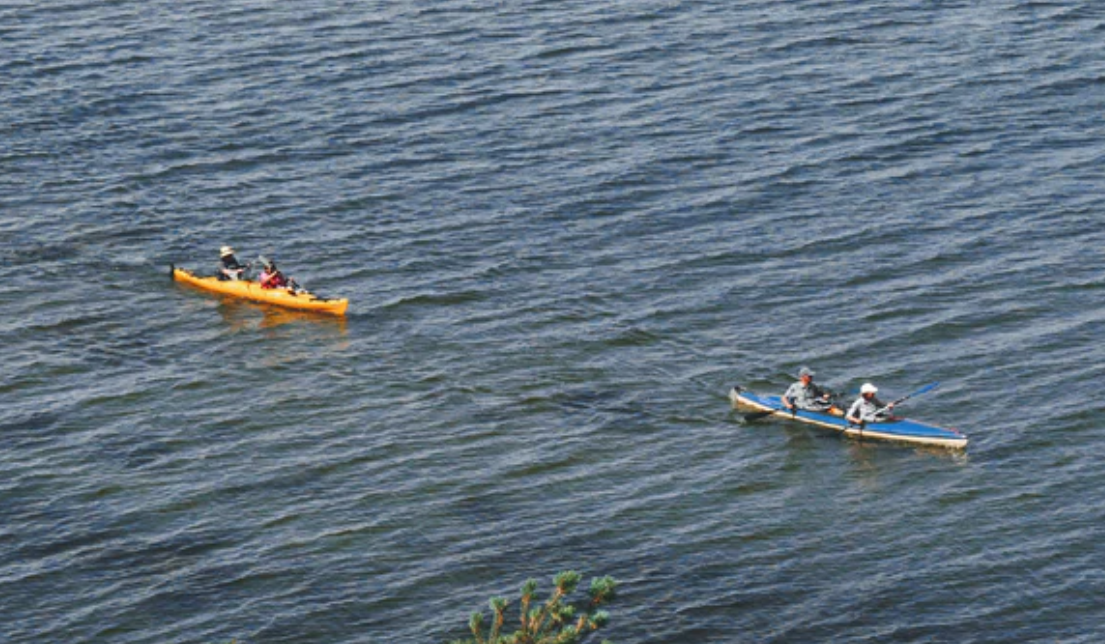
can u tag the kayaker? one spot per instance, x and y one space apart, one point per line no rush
229 268
867 408
271 277
808 396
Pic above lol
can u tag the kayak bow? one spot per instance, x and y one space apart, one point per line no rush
250 290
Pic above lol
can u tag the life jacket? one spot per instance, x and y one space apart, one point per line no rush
275 279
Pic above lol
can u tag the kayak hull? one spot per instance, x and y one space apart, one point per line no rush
250 290
901 430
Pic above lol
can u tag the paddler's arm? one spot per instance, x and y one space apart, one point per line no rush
788 399
854 416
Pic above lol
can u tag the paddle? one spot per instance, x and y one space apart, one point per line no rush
920 391
758 415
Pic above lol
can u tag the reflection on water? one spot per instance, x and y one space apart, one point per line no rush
241 315
864 451
274 317
578 265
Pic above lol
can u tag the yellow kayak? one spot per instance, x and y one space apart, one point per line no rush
251 290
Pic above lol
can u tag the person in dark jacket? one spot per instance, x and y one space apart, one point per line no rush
229 268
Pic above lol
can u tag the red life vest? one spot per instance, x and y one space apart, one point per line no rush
273 280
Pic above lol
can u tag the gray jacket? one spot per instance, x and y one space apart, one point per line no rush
808 398
867 410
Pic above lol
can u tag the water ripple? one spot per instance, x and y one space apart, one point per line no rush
565 229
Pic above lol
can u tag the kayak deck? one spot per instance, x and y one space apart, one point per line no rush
897 429
251 290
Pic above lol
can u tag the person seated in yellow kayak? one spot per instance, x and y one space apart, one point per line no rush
230 270
808 396
272 278
867 408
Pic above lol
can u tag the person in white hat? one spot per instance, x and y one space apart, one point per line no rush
867 408
229 268
808 396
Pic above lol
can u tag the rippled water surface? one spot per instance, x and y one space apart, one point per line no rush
566 230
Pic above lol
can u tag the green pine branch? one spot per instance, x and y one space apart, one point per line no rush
556 621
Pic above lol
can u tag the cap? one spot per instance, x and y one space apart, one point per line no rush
805 371
226 250
868 388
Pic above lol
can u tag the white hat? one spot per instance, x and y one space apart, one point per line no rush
805 371
226 250
868 388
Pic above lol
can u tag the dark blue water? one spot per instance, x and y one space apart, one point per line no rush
566 229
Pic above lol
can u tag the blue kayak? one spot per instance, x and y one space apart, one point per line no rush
894 429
